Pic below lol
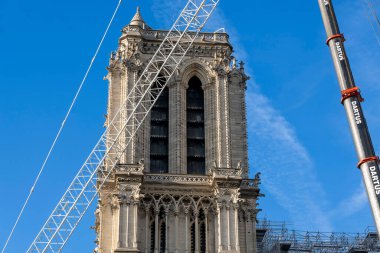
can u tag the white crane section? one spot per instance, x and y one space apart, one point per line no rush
120 131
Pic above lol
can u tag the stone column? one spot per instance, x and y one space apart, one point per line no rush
218 245
218 124
209 116
228 232
206 231
166 230
236 209
156 245
176 237
186 231
196 228
134 233
147 220
223 121
123 220
115 214
126 225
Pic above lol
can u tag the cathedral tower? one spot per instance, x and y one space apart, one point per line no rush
183 183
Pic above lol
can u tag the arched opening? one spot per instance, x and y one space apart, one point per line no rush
202 231
202 237
162 237
195 127
152 236
159 125
192 234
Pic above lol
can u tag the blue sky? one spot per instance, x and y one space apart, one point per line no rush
298 134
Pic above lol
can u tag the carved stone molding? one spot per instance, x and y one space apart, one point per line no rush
227 172
165 178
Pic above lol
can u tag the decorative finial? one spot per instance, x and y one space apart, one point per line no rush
137 20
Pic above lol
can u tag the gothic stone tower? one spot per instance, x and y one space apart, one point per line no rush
183 184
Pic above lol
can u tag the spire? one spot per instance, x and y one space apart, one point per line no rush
137 20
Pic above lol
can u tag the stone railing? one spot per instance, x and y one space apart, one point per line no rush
183 179
130 168
251 183
160 34
227 172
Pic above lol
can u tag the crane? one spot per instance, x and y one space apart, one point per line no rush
351 99
106 154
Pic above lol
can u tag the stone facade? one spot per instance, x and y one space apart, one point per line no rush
142 210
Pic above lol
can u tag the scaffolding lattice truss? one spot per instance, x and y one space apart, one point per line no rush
275 237
122 128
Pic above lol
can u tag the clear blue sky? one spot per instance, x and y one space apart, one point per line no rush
298 134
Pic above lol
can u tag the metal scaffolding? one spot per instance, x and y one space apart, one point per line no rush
276 237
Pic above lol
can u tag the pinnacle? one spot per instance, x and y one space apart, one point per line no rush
137 20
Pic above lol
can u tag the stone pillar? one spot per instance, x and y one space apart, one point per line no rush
206 231
123 221
186 231
176 237
166 230
223 121
228 231
135 225
126 224
156 245
147 221
218 125
209 95
218 245
196 228
236 209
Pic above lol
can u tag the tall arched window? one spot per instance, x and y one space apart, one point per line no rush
159 124
195 127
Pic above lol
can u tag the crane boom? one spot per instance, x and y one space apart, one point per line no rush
122 128
351 98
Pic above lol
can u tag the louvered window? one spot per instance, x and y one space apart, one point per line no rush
195 127
159 124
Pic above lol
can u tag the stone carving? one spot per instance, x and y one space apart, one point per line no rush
178 179
130 168
227 172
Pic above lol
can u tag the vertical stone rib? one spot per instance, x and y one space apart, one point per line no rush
182 133
122 226
156 239
226 120
196 250
209 126
237 246
228 230
176 237
218 125
147 219
186 232
135 221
